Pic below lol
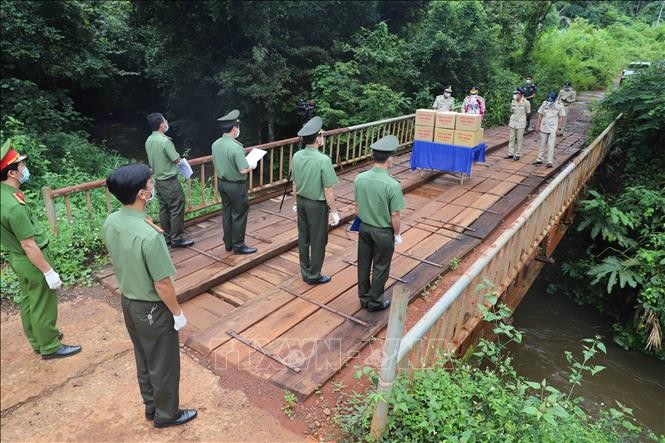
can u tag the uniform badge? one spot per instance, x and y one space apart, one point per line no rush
151 223
18 195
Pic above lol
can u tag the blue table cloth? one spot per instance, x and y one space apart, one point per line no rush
442 157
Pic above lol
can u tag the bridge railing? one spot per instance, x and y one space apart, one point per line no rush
442 328
345 146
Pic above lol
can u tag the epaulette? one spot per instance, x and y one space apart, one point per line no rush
152 223
18 195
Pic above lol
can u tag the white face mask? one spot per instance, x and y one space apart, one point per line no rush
446 94
25 175
515 96
152 195
528 82
237 132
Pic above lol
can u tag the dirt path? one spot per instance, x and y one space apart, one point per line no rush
94 396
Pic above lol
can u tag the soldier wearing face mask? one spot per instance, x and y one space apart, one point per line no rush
444 102
163 159
529 89
550 119
567 96
27 246
231 167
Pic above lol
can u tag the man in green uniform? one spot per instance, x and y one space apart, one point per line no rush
379 199
29 257
231 167
550 119
163 160
152 314
313 181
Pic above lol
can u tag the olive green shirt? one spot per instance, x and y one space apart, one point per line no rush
138 252
312 171
16 222
228 156
378 195
161 156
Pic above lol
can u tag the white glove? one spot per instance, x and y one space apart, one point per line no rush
252 165
335 218
398 239
295 208
53 279
179 321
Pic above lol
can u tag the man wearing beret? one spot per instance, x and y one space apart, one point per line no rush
231 167
150 307
313 181
379 199
163 159
30 258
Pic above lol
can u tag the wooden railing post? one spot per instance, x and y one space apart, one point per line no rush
394 332
51 215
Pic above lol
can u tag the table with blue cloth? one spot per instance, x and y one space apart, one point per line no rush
446 158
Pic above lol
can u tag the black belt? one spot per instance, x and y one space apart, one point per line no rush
309 199
232 181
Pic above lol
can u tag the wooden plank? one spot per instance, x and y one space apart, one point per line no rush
269 274
212 304
232 293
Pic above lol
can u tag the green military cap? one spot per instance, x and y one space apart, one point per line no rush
313 126
8 155
388 143
231 117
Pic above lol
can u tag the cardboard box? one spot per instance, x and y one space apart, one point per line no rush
466 138
443 135
445 119
425 117
468 122
481 135
424 133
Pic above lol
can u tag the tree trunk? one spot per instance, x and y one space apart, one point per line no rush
271 127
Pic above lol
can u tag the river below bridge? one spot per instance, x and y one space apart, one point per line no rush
553 324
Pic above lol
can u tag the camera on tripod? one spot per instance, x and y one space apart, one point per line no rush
305 110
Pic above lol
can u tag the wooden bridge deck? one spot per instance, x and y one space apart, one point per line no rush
262 298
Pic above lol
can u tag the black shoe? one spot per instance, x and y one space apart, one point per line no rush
509 156
385 305
60 336
244 250
183 243
516 157
537 162
228 248
549 165
64 351
149 415
321 280
185 416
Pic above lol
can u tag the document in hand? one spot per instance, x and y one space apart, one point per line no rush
184 169
255 155
355 226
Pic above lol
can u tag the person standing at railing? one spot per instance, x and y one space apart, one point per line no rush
313 180
152 314
30 258
164 159
550 120
445 102
520 109
231 167
379 198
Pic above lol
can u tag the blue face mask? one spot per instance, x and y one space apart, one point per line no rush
26 175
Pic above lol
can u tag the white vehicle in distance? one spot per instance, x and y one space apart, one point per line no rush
633 69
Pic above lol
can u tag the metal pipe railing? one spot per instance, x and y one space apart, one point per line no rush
443 325
345 146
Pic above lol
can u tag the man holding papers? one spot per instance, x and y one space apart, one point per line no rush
231 167
164 162
313 180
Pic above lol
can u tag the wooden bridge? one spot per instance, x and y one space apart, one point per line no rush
255 313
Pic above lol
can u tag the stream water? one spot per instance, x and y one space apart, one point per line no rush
553 324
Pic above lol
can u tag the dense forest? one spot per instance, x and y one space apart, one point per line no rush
70 66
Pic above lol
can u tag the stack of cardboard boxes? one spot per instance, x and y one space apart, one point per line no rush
451 128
